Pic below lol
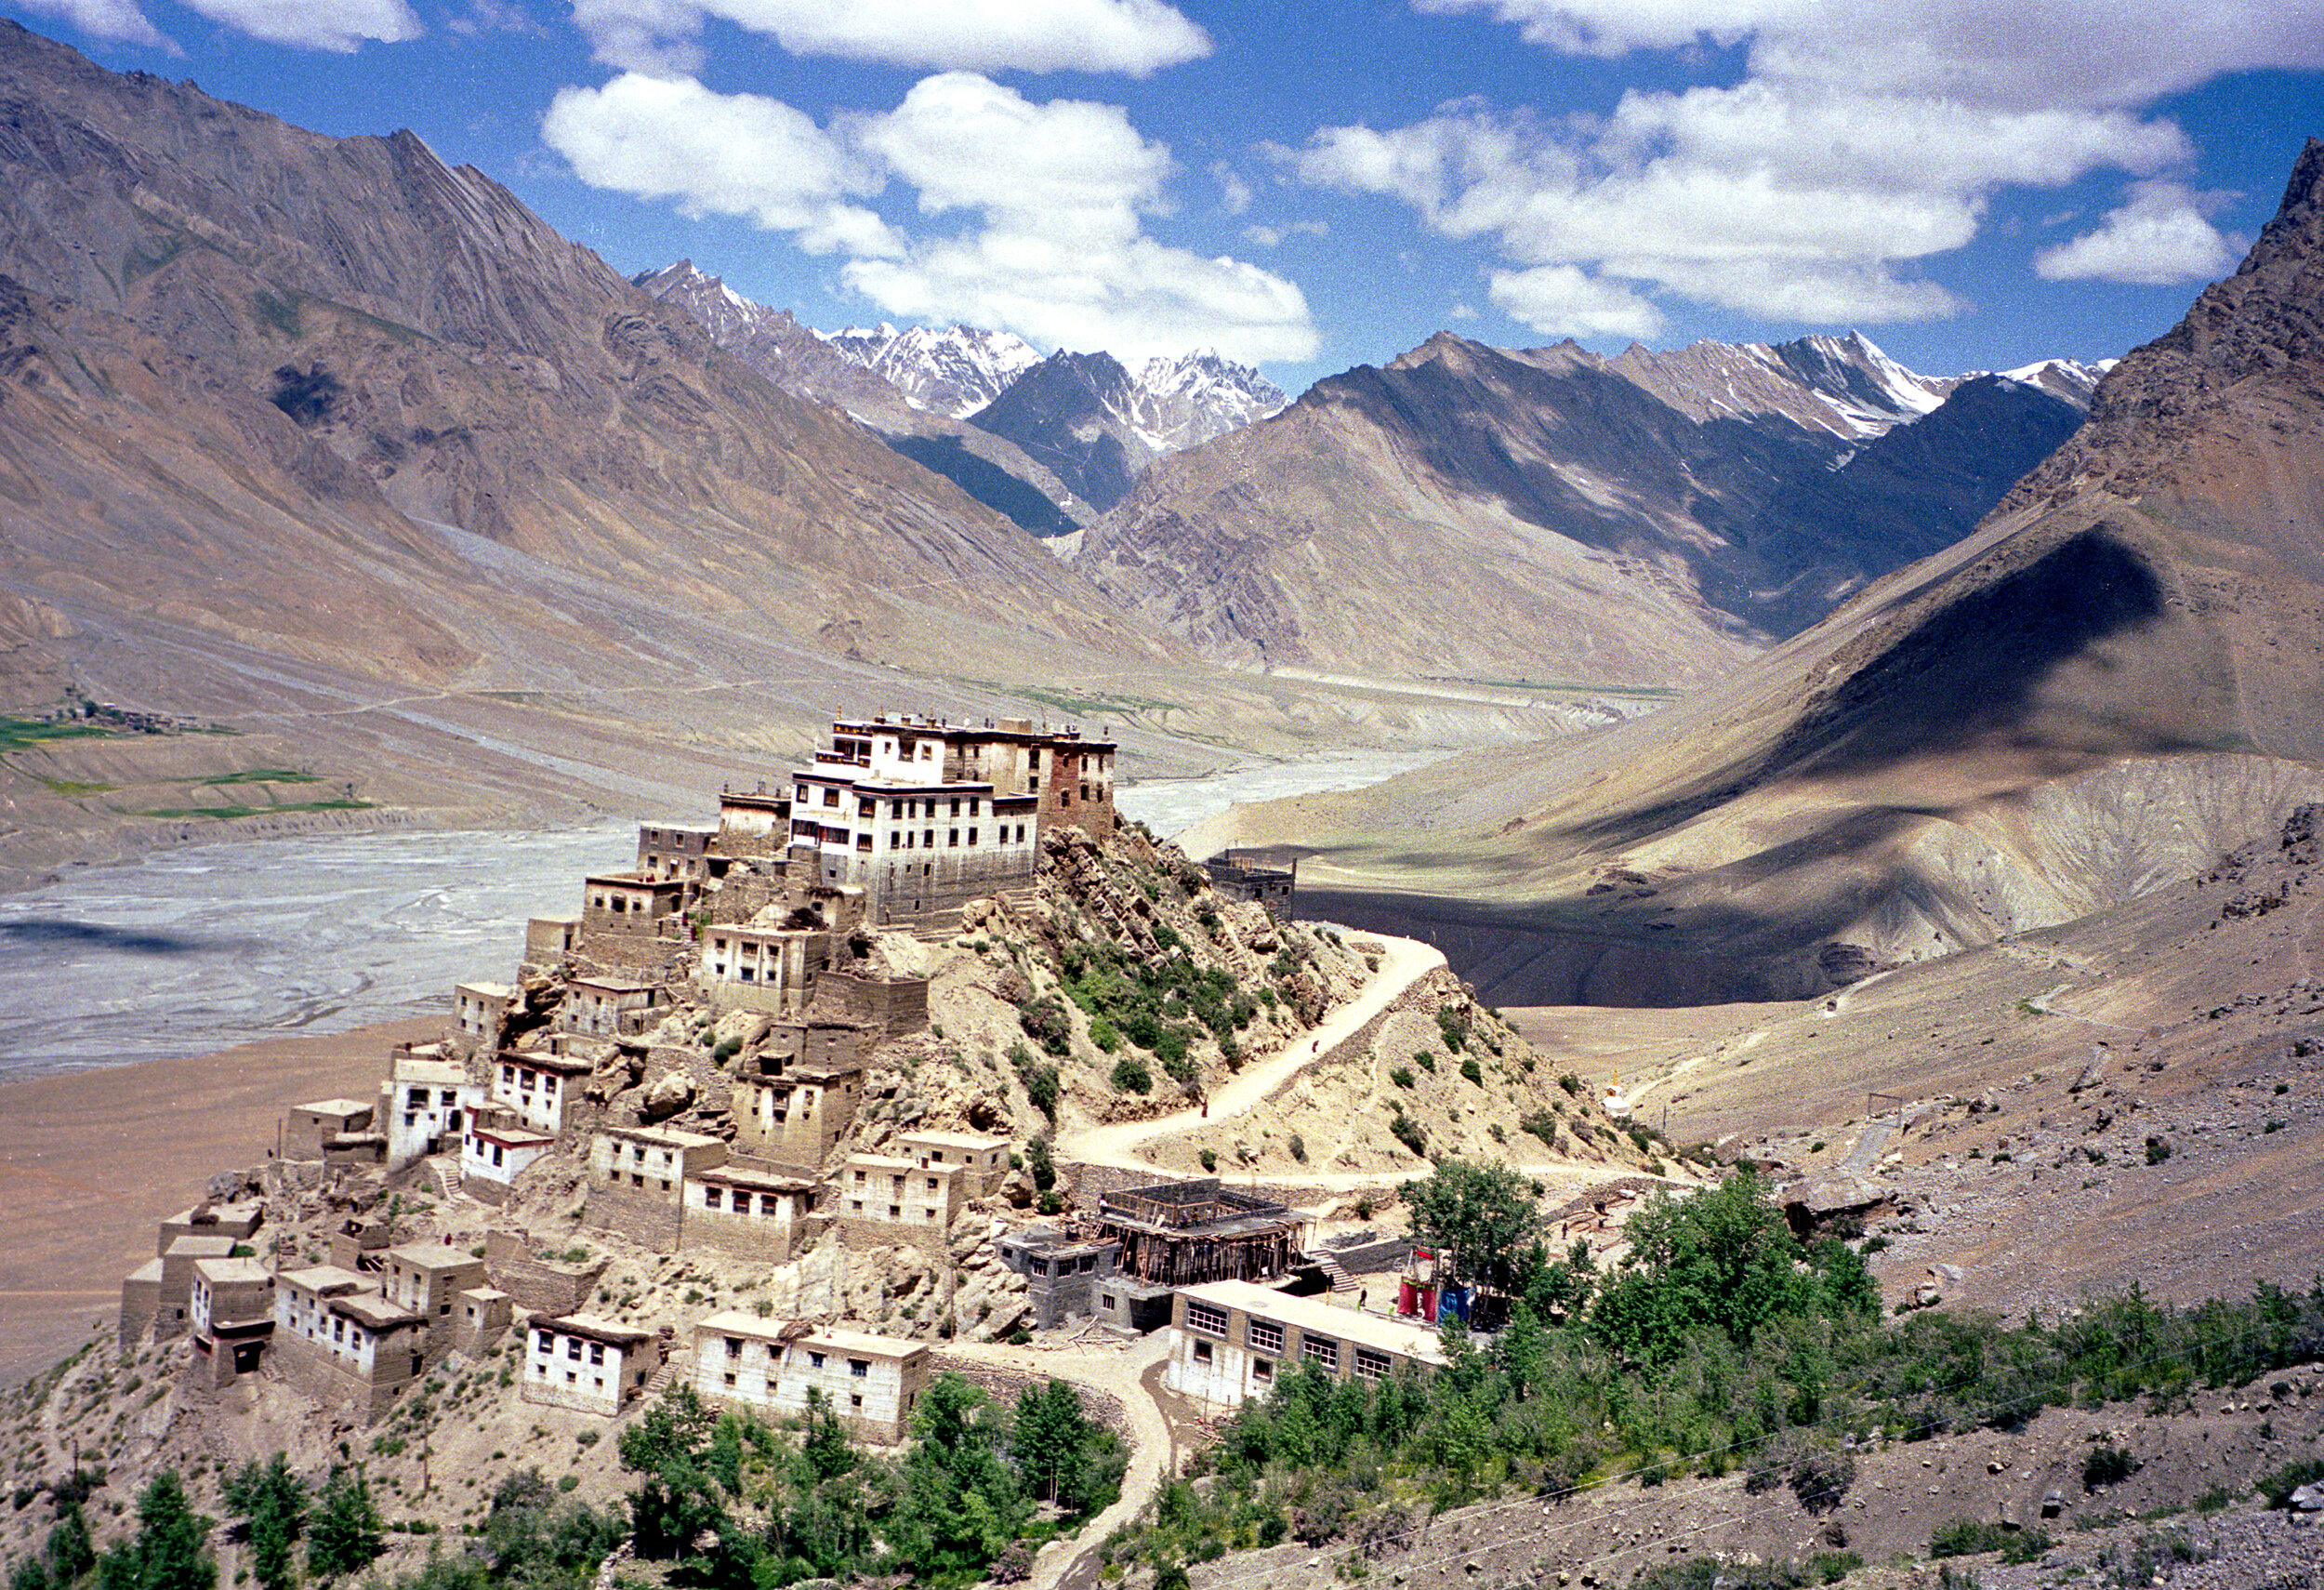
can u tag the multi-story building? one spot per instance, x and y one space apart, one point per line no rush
872 1383
881 1199
586 1364
638 1176
983 1157
542 1087
230 1314
497 1150
424 1100
922 815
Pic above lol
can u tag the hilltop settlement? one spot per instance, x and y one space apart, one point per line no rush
914 1053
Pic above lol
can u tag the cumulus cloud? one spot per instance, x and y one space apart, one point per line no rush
104 19
2088 54
1860 142
733 154
1037 211
2161 238
1564 300
337 25
1134 36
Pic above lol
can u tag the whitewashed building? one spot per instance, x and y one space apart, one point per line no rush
872 1383
586 1364
1231 1340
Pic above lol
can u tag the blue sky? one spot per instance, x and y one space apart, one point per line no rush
1311 186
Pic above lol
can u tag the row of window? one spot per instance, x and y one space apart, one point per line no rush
1266 1336
714 1197
859 1368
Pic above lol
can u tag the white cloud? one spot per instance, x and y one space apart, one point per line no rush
1134 36
2160 239
1235 194
104 19
1561 301
734 154
337 26
1040 208
1860 141
2089 53
1265 236
495 17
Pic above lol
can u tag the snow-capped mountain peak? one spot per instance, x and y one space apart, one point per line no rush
949 370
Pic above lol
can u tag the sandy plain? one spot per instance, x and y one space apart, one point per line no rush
91 1159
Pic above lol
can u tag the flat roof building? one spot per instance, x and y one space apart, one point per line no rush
586 1364
872 1383
1233 1340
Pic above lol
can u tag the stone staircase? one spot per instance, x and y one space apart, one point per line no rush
445 1175
1341 1282
662 1379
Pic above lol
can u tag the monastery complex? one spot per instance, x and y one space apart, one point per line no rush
685 1061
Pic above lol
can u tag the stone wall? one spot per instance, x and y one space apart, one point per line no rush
753 1239
896 1006
649 1219
326 1377
533 1284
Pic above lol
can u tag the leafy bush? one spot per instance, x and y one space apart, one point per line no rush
1425 1061
2157 1150
1044 1022
1209 1158
1571 1083
1401 1076
1471 1071
1965 1537
1299 1148
1407 1132
1129 1077
2108 1465
2279 1484
1454 1023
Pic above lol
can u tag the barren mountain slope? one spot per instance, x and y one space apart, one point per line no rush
322 435
1553 515
2120 674
991 468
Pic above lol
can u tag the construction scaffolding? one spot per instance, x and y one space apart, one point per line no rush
1185 1233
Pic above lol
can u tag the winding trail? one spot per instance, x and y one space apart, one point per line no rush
1128 1372
1404 961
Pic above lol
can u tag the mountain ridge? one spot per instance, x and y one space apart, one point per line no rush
1553 488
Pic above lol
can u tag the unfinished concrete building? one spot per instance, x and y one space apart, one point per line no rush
1185 1233
1268 878
1063 1274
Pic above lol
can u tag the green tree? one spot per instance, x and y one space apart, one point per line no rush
70 1555
1051 1441
959 1503
824 1444
273 1502
1483 1212
1721 1260
680 1495
171 1551
346 1533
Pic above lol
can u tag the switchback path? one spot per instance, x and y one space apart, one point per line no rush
1403 962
